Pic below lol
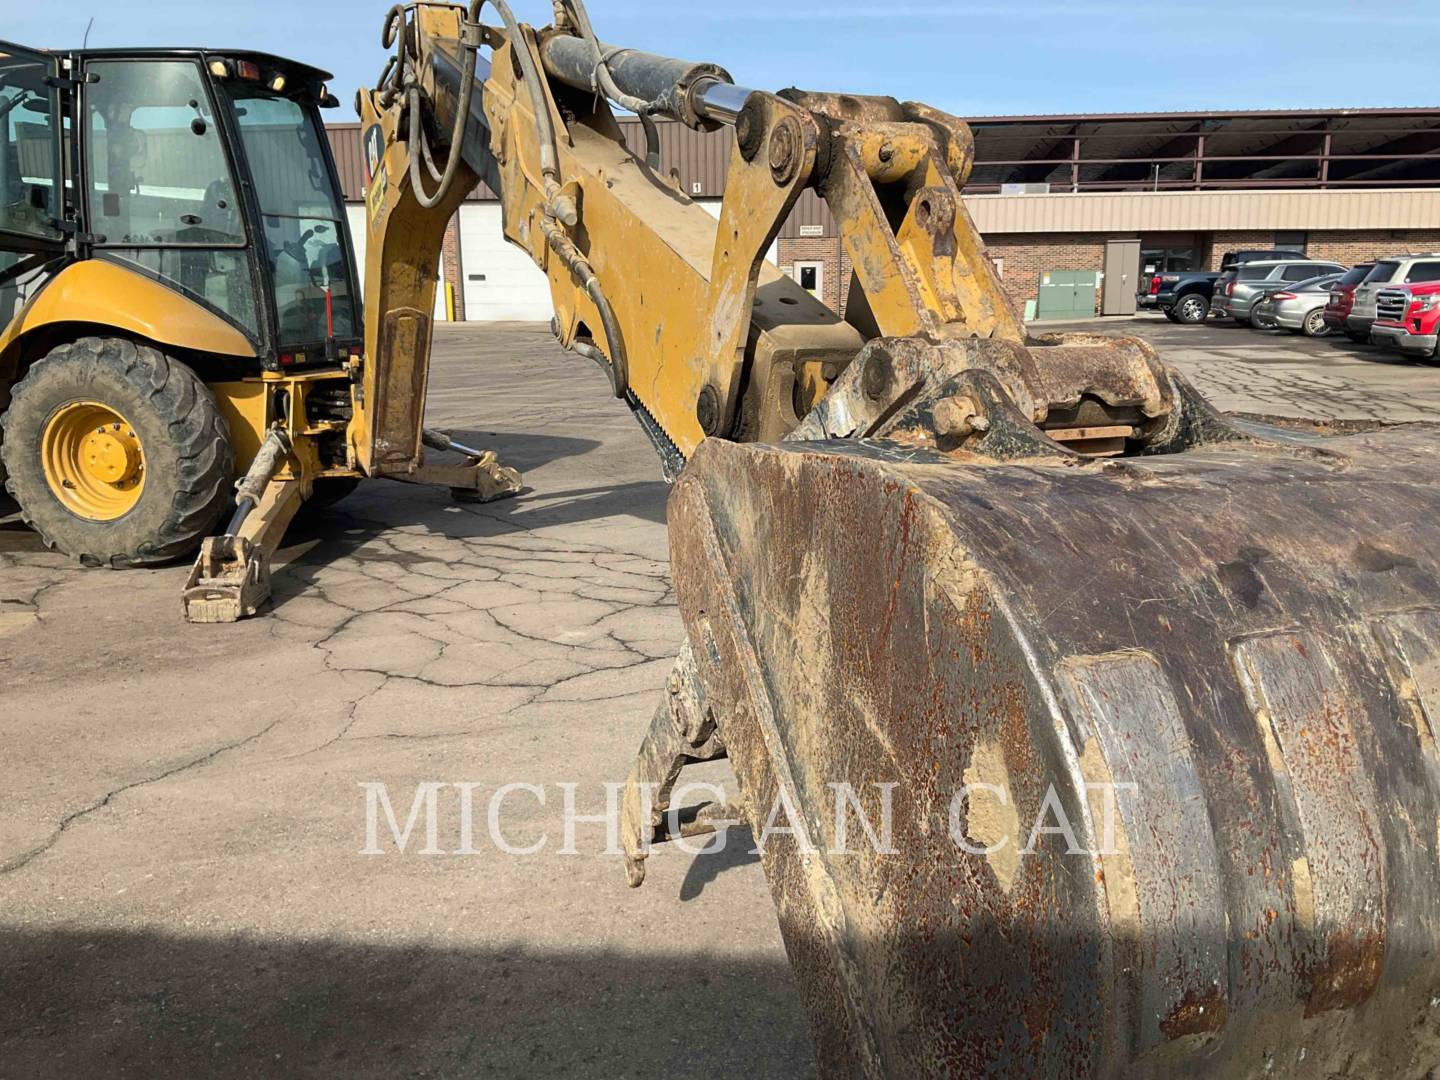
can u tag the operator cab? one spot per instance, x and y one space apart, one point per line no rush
206 170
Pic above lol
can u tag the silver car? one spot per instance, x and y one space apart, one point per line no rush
1236 292
1299 308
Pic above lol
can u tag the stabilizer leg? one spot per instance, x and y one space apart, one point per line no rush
231 577
479 479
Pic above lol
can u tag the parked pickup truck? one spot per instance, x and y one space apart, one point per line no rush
1184 295
1389 273
1408 319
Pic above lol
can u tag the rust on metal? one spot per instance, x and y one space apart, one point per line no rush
1267 905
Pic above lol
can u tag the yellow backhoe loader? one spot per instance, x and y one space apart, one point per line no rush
1150 693
178 302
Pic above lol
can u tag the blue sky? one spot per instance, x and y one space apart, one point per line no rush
980 58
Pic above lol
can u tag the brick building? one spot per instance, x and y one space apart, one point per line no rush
1061 202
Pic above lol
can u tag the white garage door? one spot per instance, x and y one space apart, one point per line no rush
500 280
356 214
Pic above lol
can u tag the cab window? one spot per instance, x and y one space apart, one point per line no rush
301 214
28 157
157 169
1423 271
161 195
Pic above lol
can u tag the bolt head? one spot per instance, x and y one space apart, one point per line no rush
785 150
707 410
744 126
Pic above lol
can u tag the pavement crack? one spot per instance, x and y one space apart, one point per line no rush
19 862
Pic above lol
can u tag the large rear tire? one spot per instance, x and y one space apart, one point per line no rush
116 453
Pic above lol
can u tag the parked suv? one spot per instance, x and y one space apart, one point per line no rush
1398 270
1184 295
1408 318
1342 296
1239 289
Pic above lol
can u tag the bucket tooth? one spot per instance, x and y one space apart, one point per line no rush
681 733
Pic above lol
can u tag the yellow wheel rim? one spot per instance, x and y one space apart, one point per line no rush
93 460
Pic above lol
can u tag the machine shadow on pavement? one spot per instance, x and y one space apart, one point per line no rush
739 850
121 1003
15 535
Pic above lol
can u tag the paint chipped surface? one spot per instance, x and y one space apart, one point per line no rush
991 820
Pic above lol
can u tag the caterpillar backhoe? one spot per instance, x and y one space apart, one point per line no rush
1147 694
178 303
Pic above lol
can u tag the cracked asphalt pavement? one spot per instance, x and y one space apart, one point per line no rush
182 889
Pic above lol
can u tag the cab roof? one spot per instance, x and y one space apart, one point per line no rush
302 70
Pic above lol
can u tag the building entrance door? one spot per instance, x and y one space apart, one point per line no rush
811 276
1122 277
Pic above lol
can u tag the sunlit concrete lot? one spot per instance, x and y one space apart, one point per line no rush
183 810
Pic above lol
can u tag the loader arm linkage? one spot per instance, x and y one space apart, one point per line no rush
981 580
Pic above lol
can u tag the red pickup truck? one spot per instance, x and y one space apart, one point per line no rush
1408 319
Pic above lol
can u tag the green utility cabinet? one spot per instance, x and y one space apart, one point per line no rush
1067 294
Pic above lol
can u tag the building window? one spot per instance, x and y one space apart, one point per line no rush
1292 241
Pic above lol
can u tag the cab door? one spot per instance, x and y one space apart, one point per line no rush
32 188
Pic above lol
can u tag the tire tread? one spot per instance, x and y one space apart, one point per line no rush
196 428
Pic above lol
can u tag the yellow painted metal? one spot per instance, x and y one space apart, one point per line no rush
246 406
715 341
252 406
93 461
928 274
401 274
102 293
683 286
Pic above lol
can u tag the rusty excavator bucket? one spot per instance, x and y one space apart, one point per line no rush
1157 732
1136 702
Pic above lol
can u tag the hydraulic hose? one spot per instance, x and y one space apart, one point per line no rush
603 81
559 206
419 144
581 268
